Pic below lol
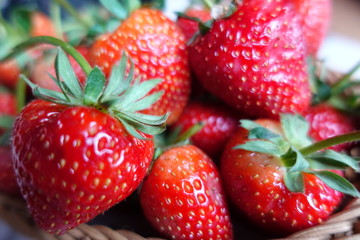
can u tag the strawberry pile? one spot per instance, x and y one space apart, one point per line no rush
208 122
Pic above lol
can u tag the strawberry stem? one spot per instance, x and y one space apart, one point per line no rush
209 4
344 138
20 93
55 42
339 86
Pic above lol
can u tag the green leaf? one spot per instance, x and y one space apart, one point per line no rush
130 129
94 87
260 147
294 181
115 7
294 160
336 182
47 94
65 72
262 133
296 130
5 138
117 84
249 124
138 91
330 159
146 102
6 121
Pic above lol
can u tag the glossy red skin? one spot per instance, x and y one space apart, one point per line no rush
7 103
9 73
255 184
45 66
73 163
315 19
182 196
190 27
219 123
325 121
254 61
8 182
158 49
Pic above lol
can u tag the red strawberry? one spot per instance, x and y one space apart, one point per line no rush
9 73
326 121
79 156
45 65
275 182
219 123
190 27
41 25
315 21
254 59
157 47
7 102
182 196
8 182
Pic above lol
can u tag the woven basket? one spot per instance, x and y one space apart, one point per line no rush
343 225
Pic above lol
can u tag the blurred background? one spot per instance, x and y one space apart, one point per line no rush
340 51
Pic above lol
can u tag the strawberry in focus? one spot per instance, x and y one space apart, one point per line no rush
254 59
279 188
158 49
79 152
182 196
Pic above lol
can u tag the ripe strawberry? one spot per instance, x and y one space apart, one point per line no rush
7 102
9 73
182 196
315 21
157 47
276 182
190 27
79 156
326 121
8 182
45 65
219 123
41 25
254 59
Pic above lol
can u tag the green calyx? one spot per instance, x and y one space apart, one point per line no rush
339 94
118 96
299 155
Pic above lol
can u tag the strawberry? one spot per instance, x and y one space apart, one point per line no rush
7 102
218 120
41 25
8 182
279 181
315 21
45 65
157 47
89 148
254 59
190 27
326 121
9 73
182 196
